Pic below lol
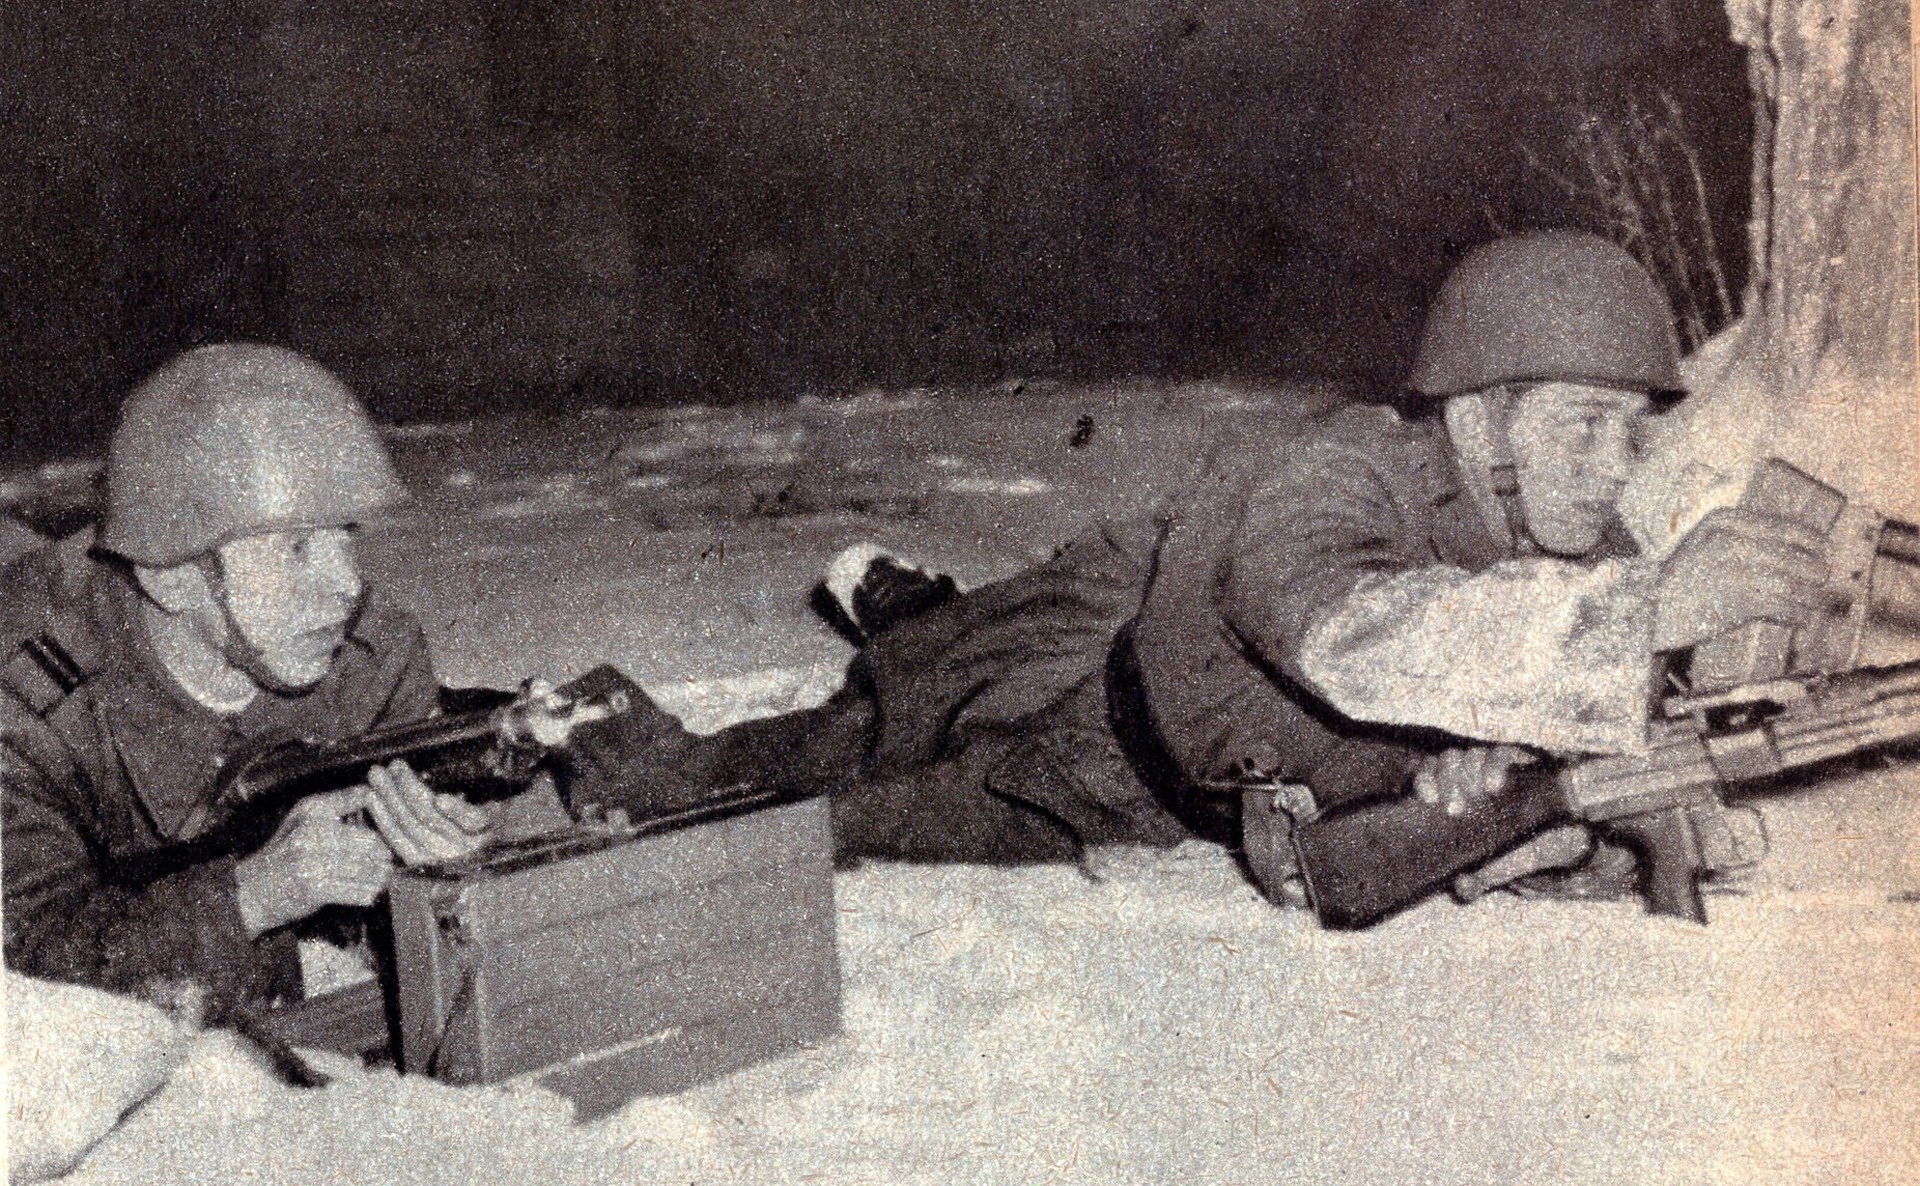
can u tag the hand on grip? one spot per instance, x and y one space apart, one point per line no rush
320 856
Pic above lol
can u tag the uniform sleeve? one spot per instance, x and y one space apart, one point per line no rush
1313 531
636 761
65 921
644 762
1543 653
1332 587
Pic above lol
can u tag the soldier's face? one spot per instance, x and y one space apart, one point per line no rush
293 593
1573 449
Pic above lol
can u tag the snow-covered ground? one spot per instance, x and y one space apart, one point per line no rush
1154 1022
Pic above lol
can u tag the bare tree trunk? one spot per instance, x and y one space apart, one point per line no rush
1821 367
1831 310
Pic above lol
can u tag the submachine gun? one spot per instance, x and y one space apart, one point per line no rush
486 748
1762 709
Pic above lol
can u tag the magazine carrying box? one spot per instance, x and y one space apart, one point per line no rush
616 961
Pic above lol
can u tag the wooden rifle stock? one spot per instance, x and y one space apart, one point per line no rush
1366 860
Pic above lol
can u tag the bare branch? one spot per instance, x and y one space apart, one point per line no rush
1634 174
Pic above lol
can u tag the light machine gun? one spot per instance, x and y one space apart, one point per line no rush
1365 862
1762 703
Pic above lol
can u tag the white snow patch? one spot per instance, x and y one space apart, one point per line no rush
656 452
553 494
541 504
670 442
870 402
69 470
1017 487
708 705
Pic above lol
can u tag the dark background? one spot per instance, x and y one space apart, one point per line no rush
472 205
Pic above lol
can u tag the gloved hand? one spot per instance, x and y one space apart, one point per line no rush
552 716
320 856
1738 566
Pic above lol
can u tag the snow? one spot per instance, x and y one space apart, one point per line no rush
1147 1019
1163 1024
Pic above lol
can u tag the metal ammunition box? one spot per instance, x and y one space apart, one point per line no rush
614 961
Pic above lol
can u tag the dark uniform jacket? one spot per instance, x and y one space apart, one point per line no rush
1246 561
104 756
977 731
1105 696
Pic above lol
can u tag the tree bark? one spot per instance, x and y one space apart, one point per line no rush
1820 369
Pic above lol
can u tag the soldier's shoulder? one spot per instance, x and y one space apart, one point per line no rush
1369 428
1348 443
48 647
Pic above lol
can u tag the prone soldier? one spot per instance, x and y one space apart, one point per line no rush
1412 604
219 606
1387 603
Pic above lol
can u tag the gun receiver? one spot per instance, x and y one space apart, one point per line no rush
495 749
1367 860
496 744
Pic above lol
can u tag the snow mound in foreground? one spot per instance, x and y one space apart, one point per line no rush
1152 1020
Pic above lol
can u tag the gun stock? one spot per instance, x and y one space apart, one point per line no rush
1364 861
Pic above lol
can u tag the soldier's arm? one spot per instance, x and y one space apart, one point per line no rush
1542 653
66 920
644 761
1330 587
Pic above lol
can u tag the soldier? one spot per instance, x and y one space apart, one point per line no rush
220 604
1329 617
1340 620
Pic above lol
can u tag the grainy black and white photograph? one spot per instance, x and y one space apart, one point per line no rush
960 592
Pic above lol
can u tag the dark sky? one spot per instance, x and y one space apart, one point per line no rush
819 195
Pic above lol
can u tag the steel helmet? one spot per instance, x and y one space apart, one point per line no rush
238 439
1550 305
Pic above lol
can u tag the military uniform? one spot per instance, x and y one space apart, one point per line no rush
1265 551
977 731
103 756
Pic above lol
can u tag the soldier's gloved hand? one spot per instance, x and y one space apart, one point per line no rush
320 856
1738 566
1461 777
421 826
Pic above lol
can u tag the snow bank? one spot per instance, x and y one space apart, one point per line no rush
1157 1022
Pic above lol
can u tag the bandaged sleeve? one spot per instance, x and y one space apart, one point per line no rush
1535 652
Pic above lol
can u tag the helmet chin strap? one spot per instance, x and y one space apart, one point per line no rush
1477 424
239 649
